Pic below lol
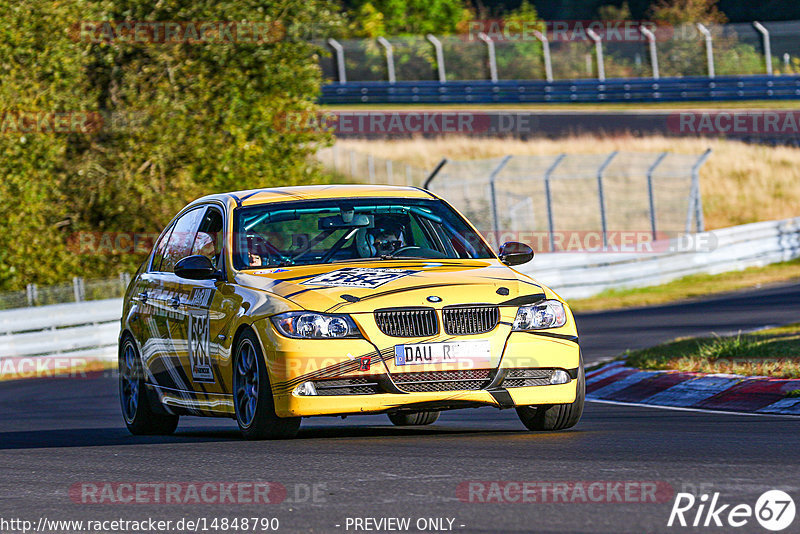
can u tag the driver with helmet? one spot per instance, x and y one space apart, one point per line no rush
384 239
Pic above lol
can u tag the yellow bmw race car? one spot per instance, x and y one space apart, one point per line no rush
272 305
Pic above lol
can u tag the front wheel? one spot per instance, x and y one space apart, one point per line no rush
140 418
252 395
413 419
556 416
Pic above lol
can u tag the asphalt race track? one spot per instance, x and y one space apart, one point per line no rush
55 433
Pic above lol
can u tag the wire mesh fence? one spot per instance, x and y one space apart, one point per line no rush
358 166
78 290
680 50
554 198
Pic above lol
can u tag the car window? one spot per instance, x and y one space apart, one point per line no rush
208 242
158 256
181 240
324 231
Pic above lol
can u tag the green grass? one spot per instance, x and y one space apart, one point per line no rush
693 286
774 352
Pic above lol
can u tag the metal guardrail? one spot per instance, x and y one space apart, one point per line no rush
697 88
85 330
584 274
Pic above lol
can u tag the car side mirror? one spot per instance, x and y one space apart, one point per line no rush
197 267
513 253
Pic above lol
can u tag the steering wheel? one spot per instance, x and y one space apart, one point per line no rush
422 252
257 244
403 249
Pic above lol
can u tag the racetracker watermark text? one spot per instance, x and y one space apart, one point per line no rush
565 491
181 493
170 32
593 241
773 123
564 31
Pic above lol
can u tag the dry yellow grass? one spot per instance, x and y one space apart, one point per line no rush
740 183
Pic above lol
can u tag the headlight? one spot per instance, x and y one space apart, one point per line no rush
309 325
545 314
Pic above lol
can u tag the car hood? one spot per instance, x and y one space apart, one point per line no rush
360 287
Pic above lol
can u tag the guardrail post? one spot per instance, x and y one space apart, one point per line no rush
437 45
651 43
598 47
76 288
389 173
389 57
124 281
32 294
548 198
767 48
492 177
371 168
548 66
600 172
492 59
709 48
651 200
335 157
426 184
339 59
698 198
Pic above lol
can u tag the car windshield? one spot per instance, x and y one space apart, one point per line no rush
326 231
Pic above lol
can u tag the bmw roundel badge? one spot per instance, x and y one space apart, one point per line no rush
434 298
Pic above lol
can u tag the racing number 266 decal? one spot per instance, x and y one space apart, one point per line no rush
358 277
199 350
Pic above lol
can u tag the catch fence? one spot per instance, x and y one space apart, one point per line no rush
556 199
504 50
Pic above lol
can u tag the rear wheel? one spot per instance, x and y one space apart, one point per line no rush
140 418
413 419
252 395
555 416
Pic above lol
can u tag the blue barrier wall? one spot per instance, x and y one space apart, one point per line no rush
565 91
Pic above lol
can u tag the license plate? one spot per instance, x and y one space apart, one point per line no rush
450 352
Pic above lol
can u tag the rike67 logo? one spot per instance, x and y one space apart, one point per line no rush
774 510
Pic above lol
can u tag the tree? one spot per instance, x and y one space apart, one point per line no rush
183 118
678 12
416 17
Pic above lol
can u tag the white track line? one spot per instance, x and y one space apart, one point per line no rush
682 409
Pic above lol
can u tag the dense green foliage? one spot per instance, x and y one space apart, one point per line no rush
411 16
180 119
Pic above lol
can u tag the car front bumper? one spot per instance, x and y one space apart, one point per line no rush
292 363
305 406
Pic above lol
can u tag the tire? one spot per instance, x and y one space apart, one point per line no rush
556 416
252 394
413 419
135 402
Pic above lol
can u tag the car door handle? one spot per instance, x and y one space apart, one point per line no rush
143 296
175 302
